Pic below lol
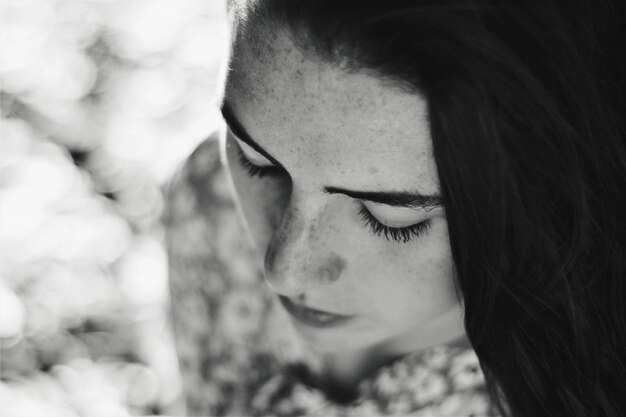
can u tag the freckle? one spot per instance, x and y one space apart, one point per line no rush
372 170
332 269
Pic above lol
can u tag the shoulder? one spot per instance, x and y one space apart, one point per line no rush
198 186
218 305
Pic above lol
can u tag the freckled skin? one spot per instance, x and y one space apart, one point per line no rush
331 269
331 128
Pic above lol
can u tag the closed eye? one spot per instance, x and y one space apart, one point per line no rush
260 167
402 234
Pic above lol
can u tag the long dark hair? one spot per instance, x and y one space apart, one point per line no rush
526 109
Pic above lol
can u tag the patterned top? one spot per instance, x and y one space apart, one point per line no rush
238 352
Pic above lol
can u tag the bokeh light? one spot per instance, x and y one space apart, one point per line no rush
100 102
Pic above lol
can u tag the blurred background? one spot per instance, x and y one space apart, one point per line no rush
101 101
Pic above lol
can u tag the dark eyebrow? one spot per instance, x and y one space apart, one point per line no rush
239 131
396 199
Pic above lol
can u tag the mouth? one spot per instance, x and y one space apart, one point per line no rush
312 317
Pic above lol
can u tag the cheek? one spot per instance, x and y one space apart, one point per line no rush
413 283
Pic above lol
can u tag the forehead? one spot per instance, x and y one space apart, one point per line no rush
357 125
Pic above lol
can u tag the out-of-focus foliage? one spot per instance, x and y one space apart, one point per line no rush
100 102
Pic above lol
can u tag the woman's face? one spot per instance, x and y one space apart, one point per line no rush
337 184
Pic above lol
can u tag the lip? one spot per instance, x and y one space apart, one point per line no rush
312 317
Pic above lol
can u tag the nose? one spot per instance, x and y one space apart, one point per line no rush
300 254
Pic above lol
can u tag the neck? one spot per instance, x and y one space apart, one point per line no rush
344 371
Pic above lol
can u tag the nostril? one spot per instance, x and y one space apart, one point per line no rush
331 270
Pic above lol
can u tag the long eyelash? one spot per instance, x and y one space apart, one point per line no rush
398 234
253 170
